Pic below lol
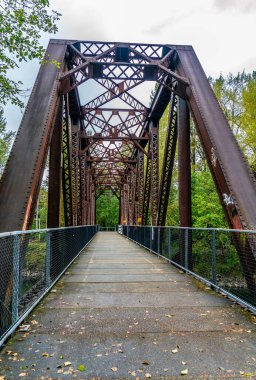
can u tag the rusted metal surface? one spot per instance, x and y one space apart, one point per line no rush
168 162
184 164
233 177
55 171
20 182
105 143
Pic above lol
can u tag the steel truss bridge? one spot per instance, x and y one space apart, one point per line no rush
109 143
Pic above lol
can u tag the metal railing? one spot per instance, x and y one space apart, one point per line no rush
30 264
107 229
224 260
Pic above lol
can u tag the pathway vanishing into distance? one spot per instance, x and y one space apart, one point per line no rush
123 313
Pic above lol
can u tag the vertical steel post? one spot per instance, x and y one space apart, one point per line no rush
16 278
55 171
158 241
151 234
186 248
184 168
169 243
154 172
48 260
214 274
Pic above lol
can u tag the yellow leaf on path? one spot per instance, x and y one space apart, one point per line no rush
22 374
114 369
169 315
184 372
66 364
175 350
148 375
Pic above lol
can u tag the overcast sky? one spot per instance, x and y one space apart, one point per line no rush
222 32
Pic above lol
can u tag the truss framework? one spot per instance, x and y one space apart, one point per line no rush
109 144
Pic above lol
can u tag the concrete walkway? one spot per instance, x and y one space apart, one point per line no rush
122 313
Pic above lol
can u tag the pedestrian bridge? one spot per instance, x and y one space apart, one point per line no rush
122 312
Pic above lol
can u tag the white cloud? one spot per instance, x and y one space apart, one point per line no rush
221 39
239 5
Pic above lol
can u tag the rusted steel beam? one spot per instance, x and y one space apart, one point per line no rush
154 171
55 171
168 162
30 147
147 188
67 166
140 186
184 170
233 178
184 164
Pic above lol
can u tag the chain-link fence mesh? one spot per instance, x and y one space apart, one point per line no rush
30 262
224 259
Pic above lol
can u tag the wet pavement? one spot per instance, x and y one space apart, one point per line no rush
120 312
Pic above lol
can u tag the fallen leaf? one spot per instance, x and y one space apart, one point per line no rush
184 372
145 362
184 363
45 354
248 374
22 374
175 350
148 375
114 369
165 369
133 373
66 364
62 356
169 315
24 328
81 368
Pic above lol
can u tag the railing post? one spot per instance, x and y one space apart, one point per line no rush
214 275
16 278
186 248
48 260
151 237
158 241
169 243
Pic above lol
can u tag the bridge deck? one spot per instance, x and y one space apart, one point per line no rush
120 311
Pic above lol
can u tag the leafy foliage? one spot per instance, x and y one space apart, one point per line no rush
21 25
107 211
6 139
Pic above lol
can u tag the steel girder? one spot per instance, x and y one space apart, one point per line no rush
168 162
106 146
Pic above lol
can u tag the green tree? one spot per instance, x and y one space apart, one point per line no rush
107 211
228 91
6 139
249 120
21 25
